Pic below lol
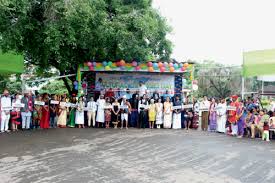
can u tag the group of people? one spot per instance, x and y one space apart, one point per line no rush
238 117
136 109
29 111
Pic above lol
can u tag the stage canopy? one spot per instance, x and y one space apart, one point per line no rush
11 63
259 63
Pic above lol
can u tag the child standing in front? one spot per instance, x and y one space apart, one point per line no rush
265 135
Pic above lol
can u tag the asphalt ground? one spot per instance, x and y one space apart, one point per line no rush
133 156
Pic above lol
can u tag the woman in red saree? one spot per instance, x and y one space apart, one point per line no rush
45 119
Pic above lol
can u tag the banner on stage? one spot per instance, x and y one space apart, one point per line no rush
54 102
39 103
132 80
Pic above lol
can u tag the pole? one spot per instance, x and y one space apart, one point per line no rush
242 87
262 86
78 78
243 78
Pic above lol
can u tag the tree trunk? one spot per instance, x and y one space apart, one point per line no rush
68 86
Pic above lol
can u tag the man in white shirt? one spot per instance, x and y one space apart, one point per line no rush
5 111
92 108
142 89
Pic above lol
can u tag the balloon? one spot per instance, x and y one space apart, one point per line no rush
122 62
89 64
160 64
110 63
75 82
137 68
107 68
171 64
182 68
91 68
149 64
176 65
94 64
181 65
117 64
151 69
134 63
104 63
172 69
155 65
166 64
113 65
185 65
162 69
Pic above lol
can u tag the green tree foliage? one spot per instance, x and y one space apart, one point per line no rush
54 87
65 33
218 80
13 84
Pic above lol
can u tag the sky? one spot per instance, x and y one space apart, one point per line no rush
218 30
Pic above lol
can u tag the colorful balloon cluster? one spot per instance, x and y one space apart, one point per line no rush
134 65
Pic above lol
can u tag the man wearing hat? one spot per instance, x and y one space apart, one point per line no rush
232 116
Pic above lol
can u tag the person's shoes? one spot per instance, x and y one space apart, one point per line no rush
267 140
7 131
2 131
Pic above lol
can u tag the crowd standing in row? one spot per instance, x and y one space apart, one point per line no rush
138 109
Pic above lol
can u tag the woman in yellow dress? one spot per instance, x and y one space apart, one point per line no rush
152 113
62 114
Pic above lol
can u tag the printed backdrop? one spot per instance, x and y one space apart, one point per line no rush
131 80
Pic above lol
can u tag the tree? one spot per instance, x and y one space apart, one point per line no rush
61 34
218 80
54 87
12 83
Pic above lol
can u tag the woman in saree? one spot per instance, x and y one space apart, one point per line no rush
71 122
62 114
167 119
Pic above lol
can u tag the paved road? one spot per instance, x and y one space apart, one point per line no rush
133 156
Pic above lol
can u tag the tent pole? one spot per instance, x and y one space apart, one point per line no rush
243 78
242 87
262 86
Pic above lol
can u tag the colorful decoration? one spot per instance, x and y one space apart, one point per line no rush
135 66
150 64
151 69
89 64
122 62
185 65
172 69
107 68
104 63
